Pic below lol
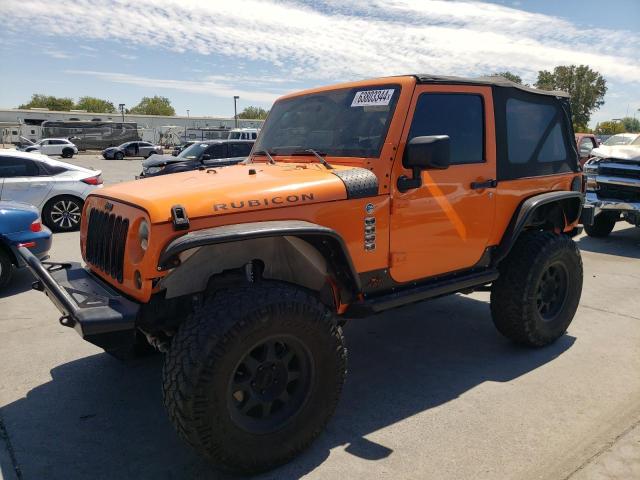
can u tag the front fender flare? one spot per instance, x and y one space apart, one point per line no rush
315 234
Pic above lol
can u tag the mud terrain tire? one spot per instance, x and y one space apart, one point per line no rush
603 224
538 291
220 376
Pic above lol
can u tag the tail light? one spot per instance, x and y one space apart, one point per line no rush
35 226
97 180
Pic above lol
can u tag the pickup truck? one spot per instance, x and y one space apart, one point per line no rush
612 188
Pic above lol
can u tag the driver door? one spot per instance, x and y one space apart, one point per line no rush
445 224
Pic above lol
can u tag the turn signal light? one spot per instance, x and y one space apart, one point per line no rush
97 180
35 226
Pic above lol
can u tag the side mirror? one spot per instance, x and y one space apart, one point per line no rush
205 156
421 153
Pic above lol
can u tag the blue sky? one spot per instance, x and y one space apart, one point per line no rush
200 54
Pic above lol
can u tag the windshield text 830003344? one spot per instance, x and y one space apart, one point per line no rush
348 122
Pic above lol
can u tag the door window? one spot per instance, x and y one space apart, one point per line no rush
239 149
586 145
217 150
17 167
458 115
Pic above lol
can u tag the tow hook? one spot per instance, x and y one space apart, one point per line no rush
67 321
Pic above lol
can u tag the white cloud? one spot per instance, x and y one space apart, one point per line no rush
217 86
343 39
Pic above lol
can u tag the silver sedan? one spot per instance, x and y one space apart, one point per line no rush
57 189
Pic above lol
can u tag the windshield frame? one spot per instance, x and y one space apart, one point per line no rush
344 153
182 155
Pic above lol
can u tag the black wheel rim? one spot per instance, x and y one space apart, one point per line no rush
270 384
65 214
552 291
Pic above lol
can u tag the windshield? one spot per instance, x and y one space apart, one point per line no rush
124 145
622 139
350 122
235 135
193 151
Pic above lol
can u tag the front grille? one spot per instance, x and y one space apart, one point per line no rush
619 172
619 192
106 238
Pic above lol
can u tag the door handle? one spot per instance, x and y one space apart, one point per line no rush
486 184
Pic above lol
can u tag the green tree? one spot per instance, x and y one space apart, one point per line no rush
39 100
509 76
96 105
153 106
586 87
254 113
609 128
631 125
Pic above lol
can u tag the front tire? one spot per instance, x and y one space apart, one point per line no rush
118 156
63 214
253 376
603 224
538 291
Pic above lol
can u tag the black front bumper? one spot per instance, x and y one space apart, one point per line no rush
98 313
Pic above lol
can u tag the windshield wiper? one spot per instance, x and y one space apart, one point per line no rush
262 152
316 154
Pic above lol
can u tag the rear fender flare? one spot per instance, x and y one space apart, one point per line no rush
556 208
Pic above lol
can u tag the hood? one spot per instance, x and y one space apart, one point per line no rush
111 149
228 190
156 160
621 152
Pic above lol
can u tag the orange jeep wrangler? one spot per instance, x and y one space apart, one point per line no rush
356 198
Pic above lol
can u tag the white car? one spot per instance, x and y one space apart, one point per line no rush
57 189
53 146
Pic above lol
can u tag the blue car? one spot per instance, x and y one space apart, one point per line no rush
20 226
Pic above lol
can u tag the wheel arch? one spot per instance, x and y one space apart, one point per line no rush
296 252
550 211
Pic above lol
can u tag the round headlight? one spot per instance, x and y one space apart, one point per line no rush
143 235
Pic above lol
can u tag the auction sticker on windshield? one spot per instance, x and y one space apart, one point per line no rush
368 98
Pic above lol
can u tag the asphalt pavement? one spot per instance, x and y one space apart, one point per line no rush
433 391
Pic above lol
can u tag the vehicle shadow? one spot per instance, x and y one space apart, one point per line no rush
100 418
624 242
21 281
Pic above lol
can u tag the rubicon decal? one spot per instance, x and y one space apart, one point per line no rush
264 202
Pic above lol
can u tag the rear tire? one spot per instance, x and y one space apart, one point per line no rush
253 376
63 214
151 153
538 291
67 153
603 224
6 268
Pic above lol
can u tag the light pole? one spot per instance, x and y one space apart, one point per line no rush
235 109
121 107
185 127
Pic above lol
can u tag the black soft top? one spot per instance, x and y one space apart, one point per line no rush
493 81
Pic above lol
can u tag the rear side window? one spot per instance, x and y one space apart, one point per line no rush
17 167
533 135
458 115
